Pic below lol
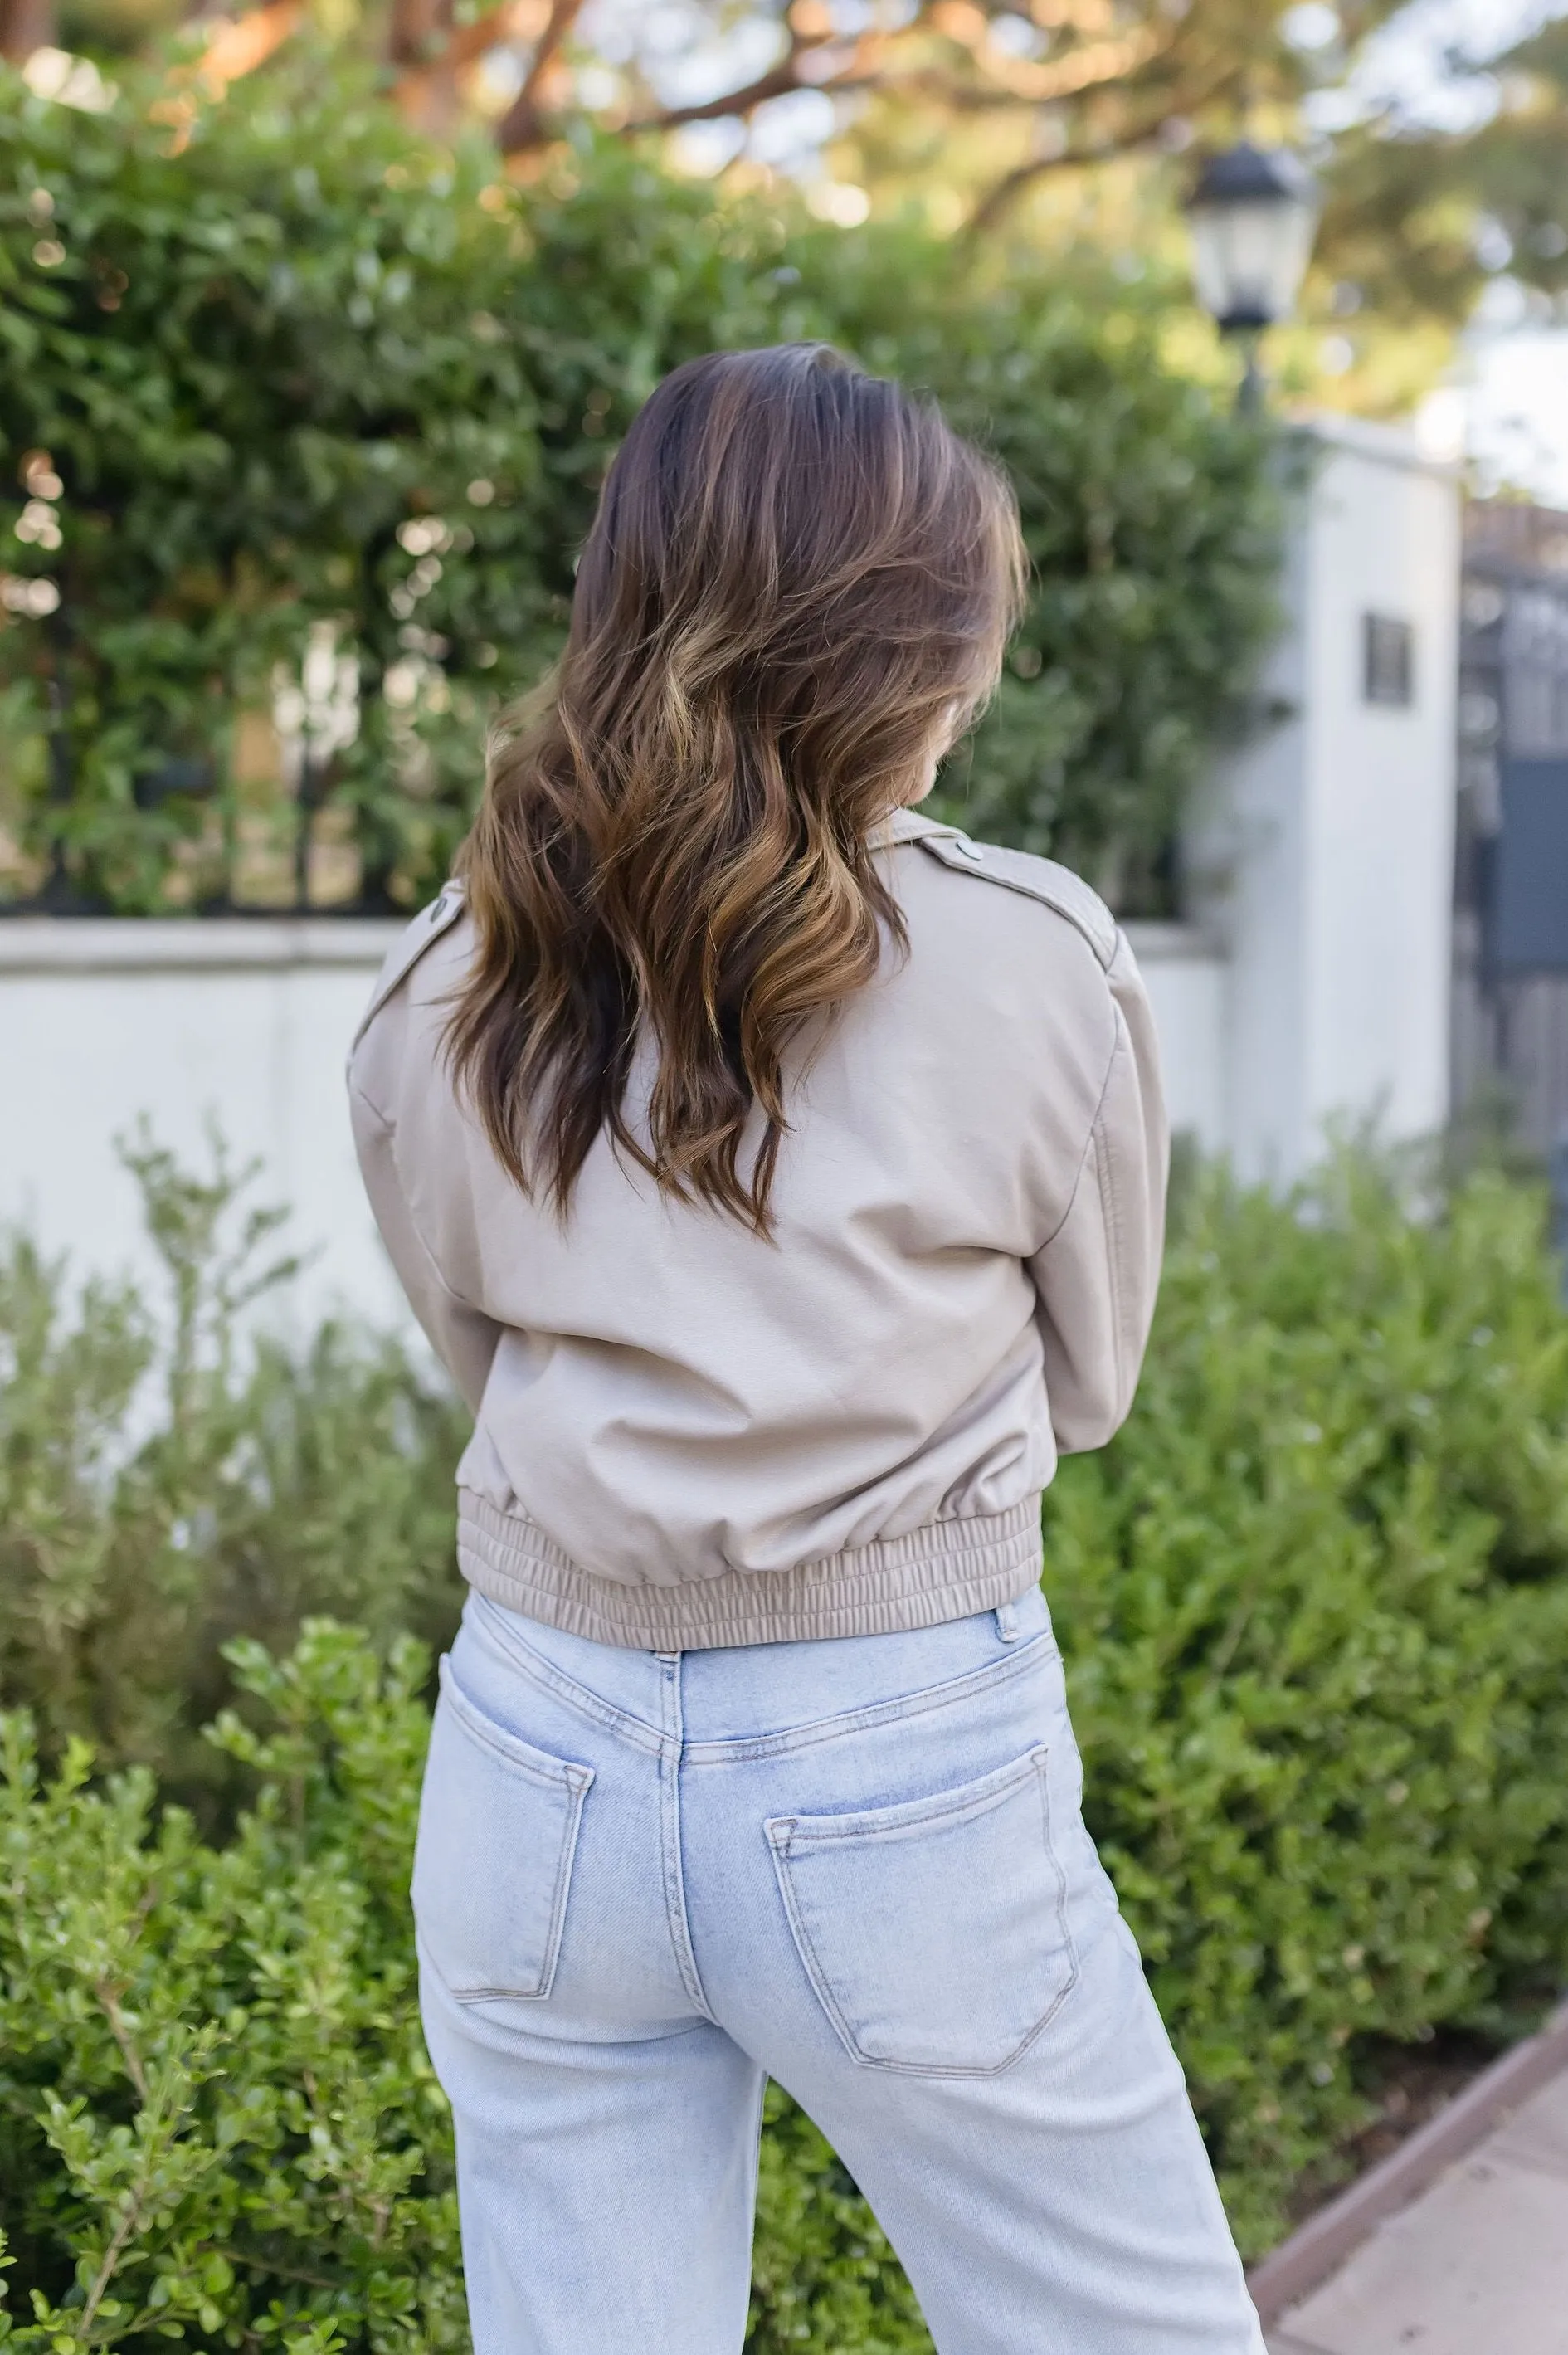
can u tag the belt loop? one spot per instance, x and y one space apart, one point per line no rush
1007 1622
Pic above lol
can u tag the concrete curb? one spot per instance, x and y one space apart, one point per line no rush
1302 2264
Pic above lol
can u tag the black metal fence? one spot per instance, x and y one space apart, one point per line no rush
1511 983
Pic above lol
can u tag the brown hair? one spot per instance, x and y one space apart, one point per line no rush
797 587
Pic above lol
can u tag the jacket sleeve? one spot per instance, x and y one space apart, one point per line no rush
1098 1275
462 1337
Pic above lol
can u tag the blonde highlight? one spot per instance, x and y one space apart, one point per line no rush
798 578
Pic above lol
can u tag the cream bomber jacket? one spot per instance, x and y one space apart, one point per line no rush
685 1436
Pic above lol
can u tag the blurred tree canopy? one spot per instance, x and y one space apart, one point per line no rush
1001 116
303 416
1499 203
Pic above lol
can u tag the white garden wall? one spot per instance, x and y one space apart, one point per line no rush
1322 858
247 1024
244 1023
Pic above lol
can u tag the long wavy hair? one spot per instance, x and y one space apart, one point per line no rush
795 594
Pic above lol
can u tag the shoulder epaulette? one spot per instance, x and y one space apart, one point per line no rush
1037 879
426 929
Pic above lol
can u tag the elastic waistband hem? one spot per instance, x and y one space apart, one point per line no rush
946 1570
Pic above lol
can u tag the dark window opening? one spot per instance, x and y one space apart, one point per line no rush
1388 661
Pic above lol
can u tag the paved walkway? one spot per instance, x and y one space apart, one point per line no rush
1477 2265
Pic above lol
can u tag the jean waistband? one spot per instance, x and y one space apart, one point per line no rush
734 1698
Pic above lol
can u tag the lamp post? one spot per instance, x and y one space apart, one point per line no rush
1252 215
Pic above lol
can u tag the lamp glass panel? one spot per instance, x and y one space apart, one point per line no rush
1248 258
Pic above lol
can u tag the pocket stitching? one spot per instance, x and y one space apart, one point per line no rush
910 1815
537 1764
558 1775
788 1826
1016 1661
557 1921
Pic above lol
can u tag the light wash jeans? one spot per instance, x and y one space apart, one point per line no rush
645 1882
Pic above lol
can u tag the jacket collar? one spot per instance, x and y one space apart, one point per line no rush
904 826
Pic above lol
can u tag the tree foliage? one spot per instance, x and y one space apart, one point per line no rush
302 420
1108 80
1011 115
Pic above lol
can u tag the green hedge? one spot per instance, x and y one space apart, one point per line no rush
1314 1602
163 1488
216 2120
288 369
217 2123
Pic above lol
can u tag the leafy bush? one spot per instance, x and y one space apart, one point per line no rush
216 2117
293 403
218 2121
1314 1601
167 1483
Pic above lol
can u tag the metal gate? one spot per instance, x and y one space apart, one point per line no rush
1511 932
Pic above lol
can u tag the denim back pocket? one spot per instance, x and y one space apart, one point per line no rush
934 1933
498 1830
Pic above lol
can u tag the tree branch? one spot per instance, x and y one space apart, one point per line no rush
1012 186
414 89
1072 16
412 31
109 1996
235 46
1027 83
111 2256
522 125
26 26
469 42
1005 193
861 70
778 83
1098 64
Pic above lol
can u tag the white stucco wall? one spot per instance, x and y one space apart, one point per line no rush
1185 975
248 1023
245 1023
1322 858
1385 537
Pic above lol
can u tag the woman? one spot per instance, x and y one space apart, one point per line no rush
781 1177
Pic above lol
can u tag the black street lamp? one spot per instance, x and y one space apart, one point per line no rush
1253 216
